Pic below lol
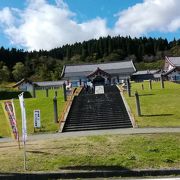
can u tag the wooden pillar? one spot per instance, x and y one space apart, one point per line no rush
118 79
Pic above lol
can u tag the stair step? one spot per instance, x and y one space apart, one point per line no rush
109 113
99 123
107 118
102 111
95 128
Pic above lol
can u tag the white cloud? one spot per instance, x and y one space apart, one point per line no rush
6 17
45 26
151 15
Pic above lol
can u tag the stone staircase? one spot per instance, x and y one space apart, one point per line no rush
97 111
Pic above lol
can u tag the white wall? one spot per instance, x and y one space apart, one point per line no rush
26 87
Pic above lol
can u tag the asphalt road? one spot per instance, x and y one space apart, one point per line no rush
97 132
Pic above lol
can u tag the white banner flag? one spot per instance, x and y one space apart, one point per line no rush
23 113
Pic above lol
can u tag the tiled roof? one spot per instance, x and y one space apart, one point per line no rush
24 80
146 72
175 61
168 72
40 84
86 69
49 83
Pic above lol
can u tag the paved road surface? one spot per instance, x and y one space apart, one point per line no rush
98 132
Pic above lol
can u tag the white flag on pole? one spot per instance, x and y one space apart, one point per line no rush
23 113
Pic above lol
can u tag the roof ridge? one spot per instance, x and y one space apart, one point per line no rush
98 63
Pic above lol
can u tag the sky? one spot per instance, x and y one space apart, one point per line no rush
47 24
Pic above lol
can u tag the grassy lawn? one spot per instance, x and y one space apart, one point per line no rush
122 151
159 107
40 102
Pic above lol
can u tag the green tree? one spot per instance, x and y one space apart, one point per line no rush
6 73
19 71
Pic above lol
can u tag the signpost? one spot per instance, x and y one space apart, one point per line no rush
37 119
99 89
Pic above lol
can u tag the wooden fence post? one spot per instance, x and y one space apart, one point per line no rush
138 108
47 92
142 86
55 110
129 87
34 91
162 82
64 90
150 84
56 93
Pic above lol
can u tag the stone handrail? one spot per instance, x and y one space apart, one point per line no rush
67 107
121 89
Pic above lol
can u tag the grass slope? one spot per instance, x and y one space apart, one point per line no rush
159 107
122 151
40 102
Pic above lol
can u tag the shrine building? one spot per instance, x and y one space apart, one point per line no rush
98 74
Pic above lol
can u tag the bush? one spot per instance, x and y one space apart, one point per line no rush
13 94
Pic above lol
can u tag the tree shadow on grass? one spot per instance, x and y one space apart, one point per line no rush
38 152
156 115
146 94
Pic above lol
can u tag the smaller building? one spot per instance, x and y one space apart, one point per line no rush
24 85
172 69
146 75
27 85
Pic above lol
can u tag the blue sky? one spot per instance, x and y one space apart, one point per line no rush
46 24
89 9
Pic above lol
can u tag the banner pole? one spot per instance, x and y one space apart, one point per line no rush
24 127
24 145
19 143
25 166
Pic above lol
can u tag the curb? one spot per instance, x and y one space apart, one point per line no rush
71 174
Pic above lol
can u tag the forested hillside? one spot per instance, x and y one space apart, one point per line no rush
47 65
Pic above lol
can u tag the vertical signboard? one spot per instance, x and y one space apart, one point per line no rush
37 119
99 89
